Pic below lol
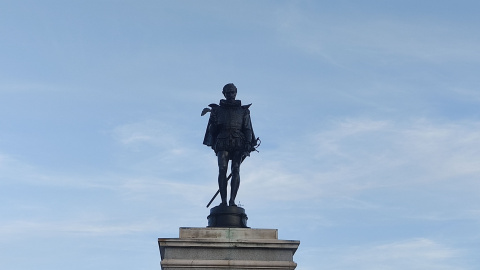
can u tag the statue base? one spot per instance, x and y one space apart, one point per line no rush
228 217
227 248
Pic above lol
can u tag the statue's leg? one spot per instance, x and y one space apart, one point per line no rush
222 175
235 185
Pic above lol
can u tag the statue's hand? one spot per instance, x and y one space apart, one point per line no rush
252 146
248 148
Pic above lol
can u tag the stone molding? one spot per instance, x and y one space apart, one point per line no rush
226 264
227 248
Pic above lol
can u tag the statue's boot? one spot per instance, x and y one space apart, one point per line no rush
223 204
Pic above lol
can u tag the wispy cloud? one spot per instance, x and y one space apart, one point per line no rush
443 150
418 253
149 132
379 36
358 163
86 227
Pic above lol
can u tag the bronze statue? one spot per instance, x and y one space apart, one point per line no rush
230 134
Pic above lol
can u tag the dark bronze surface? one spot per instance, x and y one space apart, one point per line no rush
227 216
230 134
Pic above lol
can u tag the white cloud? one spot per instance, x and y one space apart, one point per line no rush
378 165
421 147
165 192
151 132
333 38
445 152
87 227
418 253
466 94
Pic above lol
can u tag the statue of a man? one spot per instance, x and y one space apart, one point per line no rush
230 134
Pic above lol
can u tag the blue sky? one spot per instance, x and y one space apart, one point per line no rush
368 113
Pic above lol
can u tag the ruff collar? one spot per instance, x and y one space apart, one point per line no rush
235 103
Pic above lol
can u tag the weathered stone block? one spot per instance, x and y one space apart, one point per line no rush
227 248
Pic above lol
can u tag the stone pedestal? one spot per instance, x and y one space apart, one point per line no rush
227 248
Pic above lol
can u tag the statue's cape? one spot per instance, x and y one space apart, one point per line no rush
209 138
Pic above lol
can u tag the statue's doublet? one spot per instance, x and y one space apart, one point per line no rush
229 127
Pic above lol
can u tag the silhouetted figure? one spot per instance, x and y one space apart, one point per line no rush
230 134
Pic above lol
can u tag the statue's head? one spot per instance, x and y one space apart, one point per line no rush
230 91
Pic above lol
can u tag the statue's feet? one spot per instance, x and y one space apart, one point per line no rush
232 203
222 204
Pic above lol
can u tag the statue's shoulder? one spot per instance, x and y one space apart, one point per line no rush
246 108
214 106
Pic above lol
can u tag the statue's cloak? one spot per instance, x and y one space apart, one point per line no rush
229 119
